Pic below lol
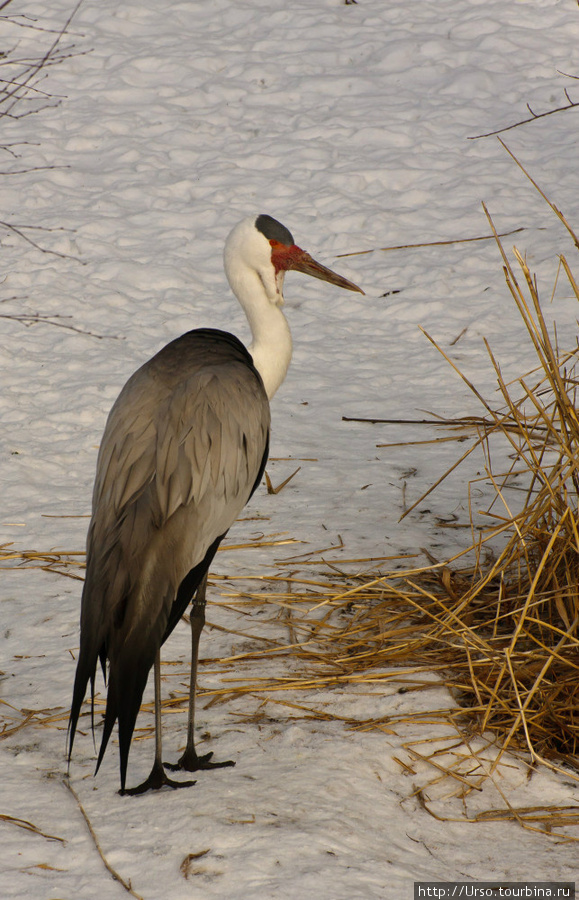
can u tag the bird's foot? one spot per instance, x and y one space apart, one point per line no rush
190 762
156 780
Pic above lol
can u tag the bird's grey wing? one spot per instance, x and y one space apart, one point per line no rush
126 460
177 464
210 444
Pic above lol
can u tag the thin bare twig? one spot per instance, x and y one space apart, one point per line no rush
28 319
21 87
19 232
571 104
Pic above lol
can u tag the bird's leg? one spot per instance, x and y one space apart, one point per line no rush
158 777
190 761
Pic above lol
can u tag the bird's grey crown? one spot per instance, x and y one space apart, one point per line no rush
274 230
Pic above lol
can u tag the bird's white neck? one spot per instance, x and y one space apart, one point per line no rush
260 292
271 347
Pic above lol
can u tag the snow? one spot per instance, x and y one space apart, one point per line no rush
351 124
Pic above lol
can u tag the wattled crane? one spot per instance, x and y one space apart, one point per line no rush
183 450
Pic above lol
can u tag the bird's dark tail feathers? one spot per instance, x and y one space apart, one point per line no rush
126 685
128 672
125 692
85 672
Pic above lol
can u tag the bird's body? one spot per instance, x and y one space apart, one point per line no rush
184 448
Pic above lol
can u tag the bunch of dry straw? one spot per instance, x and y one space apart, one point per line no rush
502 631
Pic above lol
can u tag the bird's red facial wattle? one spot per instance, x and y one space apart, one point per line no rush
285 257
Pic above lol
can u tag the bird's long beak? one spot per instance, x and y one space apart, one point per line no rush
303 262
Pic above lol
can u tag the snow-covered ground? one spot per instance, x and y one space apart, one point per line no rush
350 123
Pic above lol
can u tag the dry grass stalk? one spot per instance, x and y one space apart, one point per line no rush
29 826
57 561
112 872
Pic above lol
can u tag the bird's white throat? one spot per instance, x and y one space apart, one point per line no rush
271 347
